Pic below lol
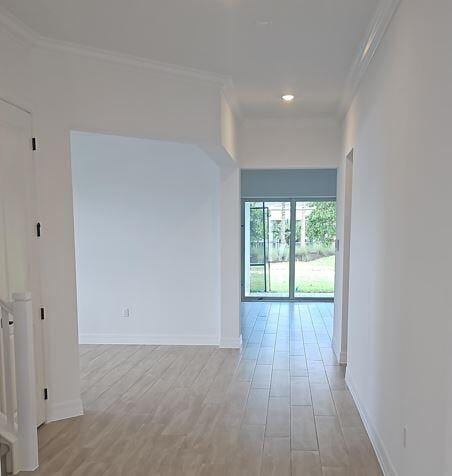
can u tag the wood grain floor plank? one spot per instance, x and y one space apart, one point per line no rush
333 451
306 463
278 417
276 457
202 411
303 430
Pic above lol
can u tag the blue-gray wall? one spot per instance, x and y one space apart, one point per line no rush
285 183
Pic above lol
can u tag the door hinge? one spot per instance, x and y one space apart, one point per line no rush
33 143
46 394
38 229
43 314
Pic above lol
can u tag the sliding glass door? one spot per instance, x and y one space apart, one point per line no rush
267 248
315 252
288 249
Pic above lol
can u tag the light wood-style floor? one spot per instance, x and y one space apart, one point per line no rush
279 407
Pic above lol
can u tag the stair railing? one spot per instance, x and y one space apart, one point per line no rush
18 421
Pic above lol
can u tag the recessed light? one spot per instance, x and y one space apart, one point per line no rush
288 97
264 23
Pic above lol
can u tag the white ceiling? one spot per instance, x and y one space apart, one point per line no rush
307 49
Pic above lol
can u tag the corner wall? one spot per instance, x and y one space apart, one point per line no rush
147 240
284 144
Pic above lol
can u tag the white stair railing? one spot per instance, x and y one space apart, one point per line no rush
8 384
18 383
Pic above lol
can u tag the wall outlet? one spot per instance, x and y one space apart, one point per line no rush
125 312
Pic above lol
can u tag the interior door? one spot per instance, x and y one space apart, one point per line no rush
18 244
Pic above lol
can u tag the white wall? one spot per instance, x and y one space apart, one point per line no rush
230 257
147 238
399 348
309 143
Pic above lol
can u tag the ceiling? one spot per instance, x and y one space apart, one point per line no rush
267 47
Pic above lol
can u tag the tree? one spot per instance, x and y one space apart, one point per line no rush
257 238
256 223
321 223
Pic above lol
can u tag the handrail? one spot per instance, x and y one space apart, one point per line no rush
7 307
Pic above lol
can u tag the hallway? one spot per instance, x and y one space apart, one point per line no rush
279 408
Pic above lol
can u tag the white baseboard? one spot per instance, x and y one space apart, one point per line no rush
231 343
63 410
343 358
377 443
148 339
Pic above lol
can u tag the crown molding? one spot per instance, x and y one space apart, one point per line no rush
375 33
31 38
20 30
130 60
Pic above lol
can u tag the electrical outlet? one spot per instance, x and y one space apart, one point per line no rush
125 312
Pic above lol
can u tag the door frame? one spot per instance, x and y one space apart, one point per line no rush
293 201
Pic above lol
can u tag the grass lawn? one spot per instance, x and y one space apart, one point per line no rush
315 276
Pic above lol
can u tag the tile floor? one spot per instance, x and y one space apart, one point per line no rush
279 407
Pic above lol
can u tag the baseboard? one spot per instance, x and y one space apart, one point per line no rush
148 339
231 343
343 357
63 410
377 443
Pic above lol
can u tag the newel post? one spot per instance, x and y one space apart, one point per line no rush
25 382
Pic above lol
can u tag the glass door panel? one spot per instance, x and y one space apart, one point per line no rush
315 236
289 249
267 249
258 246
